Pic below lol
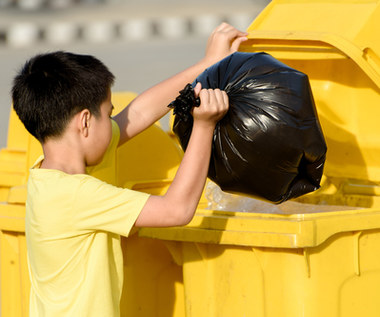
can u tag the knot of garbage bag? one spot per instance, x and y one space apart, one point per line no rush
183 104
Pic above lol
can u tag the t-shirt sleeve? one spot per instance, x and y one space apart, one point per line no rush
101 206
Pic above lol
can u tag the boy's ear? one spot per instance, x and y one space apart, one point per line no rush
84 122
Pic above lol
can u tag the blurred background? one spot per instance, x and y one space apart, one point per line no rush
142 42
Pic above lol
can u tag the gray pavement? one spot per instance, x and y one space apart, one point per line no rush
142 42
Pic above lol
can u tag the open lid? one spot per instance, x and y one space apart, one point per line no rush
334 43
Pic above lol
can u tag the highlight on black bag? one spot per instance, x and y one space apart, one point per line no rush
270 144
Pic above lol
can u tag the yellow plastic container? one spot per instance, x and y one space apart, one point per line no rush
152 280
21 152
314 262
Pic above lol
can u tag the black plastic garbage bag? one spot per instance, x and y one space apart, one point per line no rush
269 144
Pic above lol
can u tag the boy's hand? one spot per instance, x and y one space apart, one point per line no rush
223 41
214 105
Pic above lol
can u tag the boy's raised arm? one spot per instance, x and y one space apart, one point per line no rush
152 104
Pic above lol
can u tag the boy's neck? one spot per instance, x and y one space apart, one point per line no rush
63 155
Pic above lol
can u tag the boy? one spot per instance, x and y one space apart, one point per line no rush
73 220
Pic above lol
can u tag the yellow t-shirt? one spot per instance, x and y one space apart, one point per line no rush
73 228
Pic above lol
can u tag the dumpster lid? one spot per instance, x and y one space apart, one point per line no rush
348 26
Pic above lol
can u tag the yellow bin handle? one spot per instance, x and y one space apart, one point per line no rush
364 57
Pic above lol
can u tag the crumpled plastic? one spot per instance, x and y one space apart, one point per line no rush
219 200
270 144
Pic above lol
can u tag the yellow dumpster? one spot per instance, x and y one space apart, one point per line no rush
322 256
152 280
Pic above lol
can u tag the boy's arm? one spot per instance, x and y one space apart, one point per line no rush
178 205
152 104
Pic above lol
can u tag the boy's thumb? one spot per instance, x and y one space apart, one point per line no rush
197 89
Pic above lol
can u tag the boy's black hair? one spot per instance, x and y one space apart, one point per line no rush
51 88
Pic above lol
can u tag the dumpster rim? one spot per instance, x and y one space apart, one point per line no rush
292 231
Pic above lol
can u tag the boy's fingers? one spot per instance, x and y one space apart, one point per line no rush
219 97
236 43
204 95
214 104
197 89
225 27
222 27
213 98
225 98
235 34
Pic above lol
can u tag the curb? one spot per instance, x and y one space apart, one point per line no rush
52 28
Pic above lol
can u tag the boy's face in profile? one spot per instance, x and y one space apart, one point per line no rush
100 133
